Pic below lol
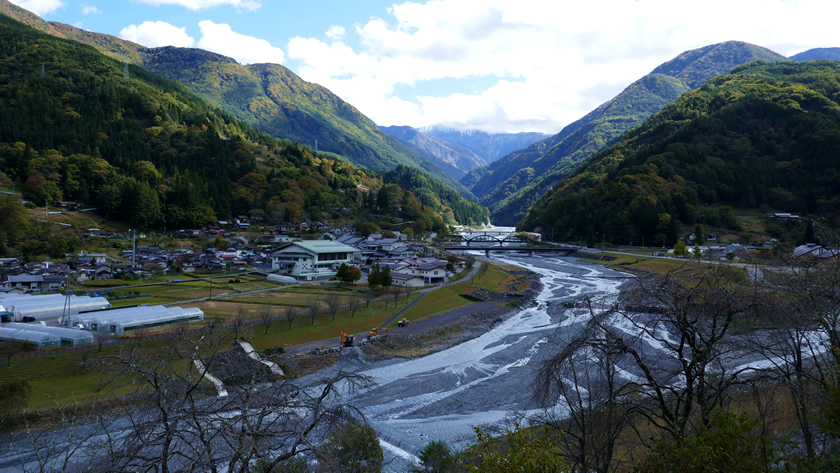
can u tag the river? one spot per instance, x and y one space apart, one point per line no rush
442 396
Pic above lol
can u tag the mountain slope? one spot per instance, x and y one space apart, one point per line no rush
147 151
268 96
452 159
764 135
818 54
509 186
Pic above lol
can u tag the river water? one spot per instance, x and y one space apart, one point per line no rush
481 382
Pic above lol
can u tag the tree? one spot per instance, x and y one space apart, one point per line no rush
725 444
290 314
375 276
312 303
583 384
680 248
175 421
436 457
265 313
14 398
333 302
519 449
699 236
341 273
386 279
351 275
353 448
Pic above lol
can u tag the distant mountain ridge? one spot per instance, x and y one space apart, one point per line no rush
452 159
269 96
490 146
818 54
512 184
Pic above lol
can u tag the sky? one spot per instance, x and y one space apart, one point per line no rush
490 65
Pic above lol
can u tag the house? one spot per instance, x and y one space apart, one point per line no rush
313 258
406 280
35 283
808 250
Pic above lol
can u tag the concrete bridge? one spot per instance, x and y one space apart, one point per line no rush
531 250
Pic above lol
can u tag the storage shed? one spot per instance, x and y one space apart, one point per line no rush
69 337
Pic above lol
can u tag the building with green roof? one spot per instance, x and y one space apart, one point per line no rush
313 259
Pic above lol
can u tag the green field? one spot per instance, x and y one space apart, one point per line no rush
67 377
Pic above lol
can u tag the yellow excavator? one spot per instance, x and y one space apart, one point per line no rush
347 340
375 332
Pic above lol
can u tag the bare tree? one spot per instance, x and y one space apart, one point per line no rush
176 421
333 302
312 308
239 319
265 313
661 353
353 308
588 404
290 313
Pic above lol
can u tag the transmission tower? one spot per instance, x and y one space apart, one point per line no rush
43 71
125 70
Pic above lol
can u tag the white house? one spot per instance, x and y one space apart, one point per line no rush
313 258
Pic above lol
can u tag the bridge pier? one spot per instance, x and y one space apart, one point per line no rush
486 253
530 252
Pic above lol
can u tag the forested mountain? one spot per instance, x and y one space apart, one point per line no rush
452 159
148 151
268 96
765 135
818 54
510 185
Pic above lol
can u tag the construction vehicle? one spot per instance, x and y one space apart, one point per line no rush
347 340
403 323
375 333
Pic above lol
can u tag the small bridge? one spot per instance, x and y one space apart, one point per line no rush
531 250
484 238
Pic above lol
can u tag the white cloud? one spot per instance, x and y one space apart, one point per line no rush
204 4
336 33
157 33
39 7
548 62
91 9
220 38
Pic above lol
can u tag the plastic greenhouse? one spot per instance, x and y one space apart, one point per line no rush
36 339
50 306
68 336
132 318
281 279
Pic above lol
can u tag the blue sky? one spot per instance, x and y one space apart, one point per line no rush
493 65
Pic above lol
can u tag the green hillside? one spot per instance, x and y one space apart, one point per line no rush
147 151
509 186
765 136
268 96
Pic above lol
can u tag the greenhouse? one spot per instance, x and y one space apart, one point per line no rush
51 306
34 339
281 279
68 336
133 318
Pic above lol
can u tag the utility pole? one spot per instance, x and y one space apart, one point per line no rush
133 248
